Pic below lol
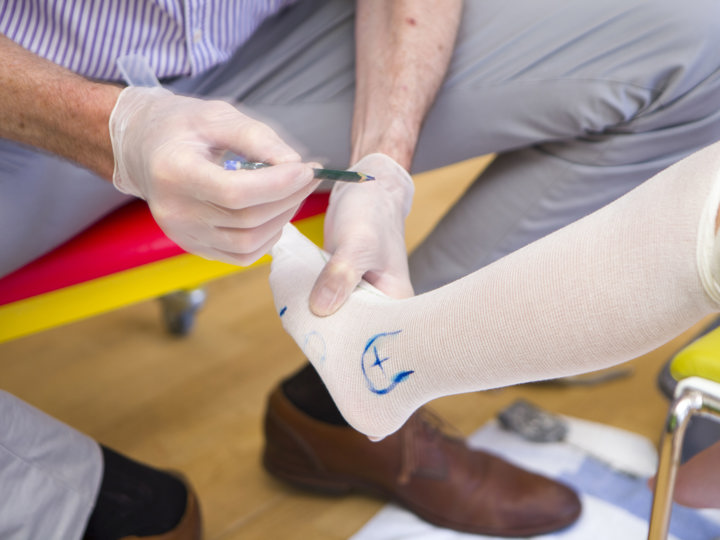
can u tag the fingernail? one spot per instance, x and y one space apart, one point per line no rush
324 301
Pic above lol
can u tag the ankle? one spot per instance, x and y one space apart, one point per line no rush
134 500
307 392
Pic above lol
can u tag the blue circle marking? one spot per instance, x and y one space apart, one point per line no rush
372 362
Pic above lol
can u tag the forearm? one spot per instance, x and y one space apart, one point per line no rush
403 50
49 107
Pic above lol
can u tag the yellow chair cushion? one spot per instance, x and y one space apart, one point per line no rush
701 358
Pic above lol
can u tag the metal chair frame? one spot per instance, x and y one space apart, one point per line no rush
694 396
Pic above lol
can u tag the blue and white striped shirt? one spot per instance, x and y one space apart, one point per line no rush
177 37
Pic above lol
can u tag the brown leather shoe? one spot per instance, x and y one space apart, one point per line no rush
434 475
190 525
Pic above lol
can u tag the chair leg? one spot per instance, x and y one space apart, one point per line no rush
683 407
179 308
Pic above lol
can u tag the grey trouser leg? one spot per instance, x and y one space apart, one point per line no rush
45 200
49 475
582 102
590 101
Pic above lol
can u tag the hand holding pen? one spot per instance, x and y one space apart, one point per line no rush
166 150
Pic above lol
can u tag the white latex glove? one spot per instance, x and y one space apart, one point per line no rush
167 149
365 235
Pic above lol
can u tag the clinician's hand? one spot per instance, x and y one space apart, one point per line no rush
365 235
167 148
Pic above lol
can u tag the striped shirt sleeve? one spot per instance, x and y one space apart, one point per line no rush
177 37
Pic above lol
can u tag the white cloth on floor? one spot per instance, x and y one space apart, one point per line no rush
607 466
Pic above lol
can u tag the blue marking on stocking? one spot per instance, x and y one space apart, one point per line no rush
372 361
314 347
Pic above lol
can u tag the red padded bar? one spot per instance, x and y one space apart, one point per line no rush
124 239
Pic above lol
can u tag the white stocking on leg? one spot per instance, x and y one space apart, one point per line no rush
604 290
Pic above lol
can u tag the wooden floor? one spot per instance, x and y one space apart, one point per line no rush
196 404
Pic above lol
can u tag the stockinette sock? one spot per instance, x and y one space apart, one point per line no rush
601 291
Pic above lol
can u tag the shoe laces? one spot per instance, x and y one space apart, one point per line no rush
424 428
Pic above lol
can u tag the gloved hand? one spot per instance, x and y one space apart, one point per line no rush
365 235
167 149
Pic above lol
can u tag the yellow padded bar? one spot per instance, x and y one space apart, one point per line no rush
110 292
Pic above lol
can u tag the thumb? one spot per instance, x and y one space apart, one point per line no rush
336 282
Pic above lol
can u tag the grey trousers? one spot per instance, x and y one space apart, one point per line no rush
582 101
49 475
